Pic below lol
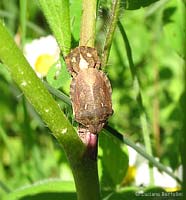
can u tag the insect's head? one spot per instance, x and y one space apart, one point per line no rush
81 58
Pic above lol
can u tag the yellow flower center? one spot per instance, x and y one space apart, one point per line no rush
173 189
130 176
43 64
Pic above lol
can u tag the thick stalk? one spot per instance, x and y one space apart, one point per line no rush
87 183
36 93
84 169
88 23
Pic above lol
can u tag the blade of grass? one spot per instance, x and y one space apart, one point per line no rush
143 115
36 28
4 187
182 103
183 136
58 94
120 136
31 25
4 138
22 18
6 14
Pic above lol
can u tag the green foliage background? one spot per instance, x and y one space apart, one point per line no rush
28 152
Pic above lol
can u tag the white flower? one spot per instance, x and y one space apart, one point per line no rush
132 156
42 53
160 179
142 176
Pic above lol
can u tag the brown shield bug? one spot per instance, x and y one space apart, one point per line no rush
90 89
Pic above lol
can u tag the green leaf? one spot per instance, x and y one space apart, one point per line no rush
58 17
167 14
75 13
59 77
125 194
135 193
175 31
136 4
46 189
114 160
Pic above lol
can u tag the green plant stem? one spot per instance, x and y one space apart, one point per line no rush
39 30
88 23
31 25
34 90
183 131
4 187
142 152
58 94
120 136
4 139
143 116
85 173
23 8
111 29
155 40
87 182
87 38
84 169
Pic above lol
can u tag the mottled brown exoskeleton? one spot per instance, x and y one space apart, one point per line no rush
90 89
